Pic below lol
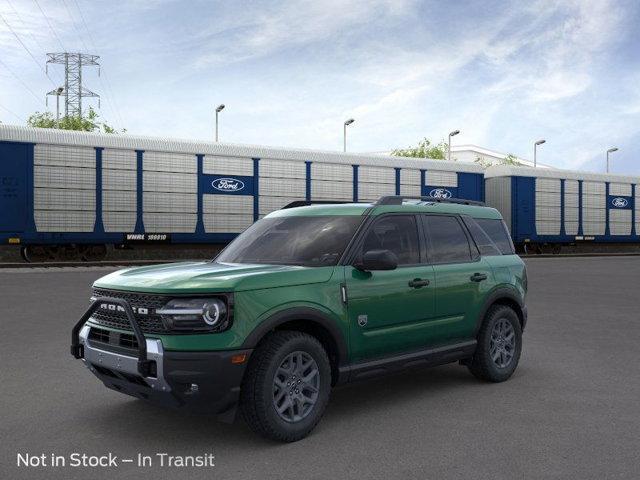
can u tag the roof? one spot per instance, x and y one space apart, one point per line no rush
372 209
512 171
130 142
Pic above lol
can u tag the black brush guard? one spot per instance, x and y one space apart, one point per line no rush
77 350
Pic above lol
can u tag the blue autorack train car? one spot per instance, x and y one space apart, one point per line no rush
548 208
80 191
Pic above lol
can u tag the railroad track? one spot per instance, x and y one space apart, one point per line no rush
133 263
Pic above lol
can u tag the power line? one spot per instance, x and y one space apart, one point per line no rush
27 49
50 26
21 81
12 113
106 85
24 25
75 27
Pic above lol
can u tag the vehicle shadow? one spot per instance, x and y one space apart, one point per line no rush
139 421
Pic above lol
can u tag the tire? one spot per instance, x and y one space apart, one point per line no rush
483 364
260 395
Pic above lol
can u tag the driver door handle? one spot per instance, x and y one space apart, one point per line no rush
478 277
418 282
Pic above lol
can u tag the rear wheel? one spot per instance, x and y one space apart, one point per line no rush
499 345
286 387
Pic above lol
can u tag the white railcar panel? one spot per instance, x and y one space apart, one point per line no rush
64 177
169 162
170 222
441 179
117 201
571 228
594 215
548 227
376 175
283 187
64 156
623 189
332 171
620 222
571 186
594 201
119 180
64 220
411 190
169 182
270 204
64 199
231 204
118 159
224 223
270 168
231 166
547 213
170 202
331 190
547 199
548 185
410 176
595 188
571 200
370 192
593 228
119 221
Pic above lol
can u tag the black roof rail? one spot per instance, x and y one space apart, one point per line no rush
306 203
398 199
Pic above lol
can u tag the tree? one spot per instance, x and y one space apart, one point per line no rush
87 123
510 159
424 150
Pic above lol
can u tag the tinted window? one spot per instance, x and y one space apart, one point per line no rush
397 233
481 239
448 241
497 231
309 241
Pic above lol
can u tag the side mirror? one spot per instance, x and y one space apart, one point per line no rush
377 260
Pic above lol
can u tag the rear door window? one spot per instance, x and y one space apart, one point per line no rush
485 244
396 233
448 242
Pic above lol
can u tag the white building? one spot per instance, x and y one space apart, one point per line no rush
470 153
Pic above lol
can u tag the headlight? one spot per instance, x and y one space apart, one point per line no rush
195 314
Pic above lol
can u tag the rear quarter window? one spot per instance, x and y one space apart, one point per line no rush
497 231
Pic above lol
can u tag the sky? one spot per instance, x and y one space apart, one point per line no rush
291 72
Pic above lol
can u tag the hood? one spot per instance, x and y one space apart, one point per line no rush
194 277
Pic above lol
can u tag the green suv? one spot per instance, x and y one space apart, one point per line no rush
308 298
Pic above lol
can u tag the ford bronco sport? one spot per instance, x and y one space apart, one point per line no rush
308 298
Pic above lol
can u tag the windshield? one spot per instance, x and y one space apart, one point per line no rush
308 241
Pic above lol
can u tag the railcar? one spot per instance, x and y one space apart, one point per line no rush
549 209
75 193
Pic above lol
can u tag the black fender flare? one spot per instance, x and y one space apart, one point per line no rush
502 294
299 313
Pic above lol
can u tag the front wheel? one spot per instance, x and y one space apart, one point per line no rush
499 345
286 387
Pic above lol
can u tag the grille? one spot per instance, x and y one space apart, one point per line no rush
150 323
113 341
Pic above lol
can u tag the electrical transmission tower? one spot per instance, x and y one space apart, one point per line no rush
73 91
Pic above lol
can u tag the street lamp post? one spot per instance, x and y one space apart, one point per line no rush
452 134
344 137
535 152
59 91
219 108
611 150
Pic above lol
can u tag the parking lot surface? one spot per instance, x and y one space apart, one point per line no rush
570 411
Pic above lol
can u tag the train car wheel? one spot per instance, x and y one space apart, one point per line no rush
93 253
557 248
35 253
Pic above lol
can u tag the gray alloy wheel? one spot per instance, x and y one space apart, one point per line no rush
295 386
503 343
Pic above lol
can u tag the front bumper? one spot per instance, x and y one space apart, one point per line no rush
201 381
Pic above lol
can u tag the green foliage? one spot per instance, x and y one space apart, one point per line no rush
87 123
510 159
424 150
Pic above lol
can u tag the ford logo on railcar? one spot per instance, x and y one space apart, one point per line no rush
619 202
228 184
440 193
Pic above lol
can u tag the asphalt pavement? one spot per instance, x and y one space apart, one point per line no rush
572 410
